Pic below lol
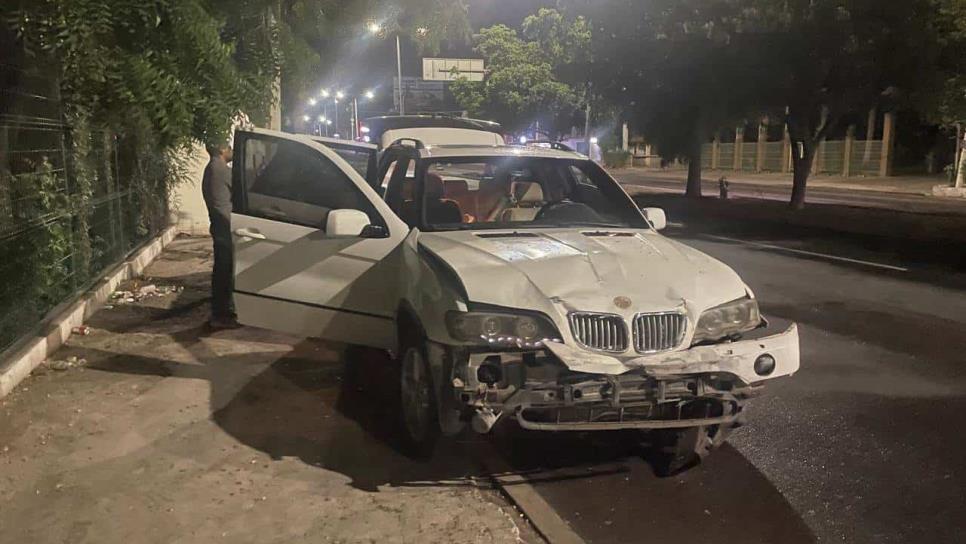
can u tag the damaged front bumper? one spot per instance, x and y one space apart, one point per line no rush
564 388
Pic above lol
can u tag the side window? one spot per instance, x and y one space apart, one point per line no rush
357 158
286 181
580 177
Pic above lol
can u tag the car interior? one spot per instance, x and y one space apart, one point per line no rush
490 192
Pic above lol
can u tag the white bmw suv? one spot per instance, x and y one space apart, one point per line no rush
507 283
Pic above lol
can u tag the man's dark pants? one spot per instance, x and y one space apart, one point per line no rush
223 272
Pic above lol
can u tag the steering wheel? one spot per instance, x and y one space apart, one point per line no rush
551 206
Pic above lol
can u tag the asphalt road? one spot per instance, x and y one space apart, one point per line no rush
864 444
815 195
169 433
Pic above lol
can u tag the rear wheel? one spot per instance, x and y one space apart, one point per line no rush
420 421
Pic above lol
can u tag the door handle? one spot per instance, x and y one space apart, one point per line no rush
250 233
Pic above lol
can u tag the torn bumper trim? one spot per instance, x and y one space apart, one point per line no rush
618 425
737 358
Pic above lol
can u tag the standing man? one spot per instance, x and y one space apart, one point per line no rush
216 189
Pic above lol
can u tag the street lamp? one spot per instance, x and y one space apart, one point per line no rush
355 112
325 93
379 30
312 102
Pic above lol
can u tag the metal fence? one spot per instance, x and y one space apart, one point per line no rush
864 157
71 203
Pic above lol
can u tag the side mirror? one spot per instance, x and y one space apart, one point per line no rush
374 231
656 216
346 223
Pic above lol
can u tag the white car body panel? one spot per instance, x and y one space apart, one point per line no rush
442 135
354 289
563 270
296 279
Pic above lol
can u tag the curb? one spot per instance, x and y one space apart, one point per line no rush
518 489
25 355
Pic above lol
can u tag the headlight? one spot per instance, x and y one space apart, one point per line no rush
733 317
499 329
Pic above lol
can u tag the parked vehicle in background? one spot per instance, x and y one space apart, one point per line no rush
508 282
434 130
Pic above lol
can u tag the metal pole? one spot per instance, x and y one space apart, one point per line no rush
336 115
402 108
355 118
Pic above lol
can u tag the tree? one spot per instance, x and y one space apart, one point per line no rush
812 63
831 59
522 85
674 68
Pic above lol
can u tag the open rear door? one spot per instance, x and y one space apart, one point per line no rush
307 262
360 155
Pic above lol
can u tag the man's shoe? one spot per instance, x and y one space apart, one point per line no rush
223 323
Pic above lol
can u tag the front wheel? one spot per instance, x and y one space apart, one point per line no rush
420 421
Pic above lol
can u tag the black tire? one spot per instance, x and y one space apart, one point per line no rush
418 416
673 451
676 450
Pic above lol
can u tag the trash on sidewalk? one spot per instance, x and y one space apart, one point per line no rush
82 330
139 293
61 365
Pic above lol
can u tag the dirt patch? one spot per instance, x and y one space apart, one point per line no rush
167 433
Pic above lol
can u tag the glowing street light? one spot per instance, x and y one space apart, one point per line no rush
340 95
321 118
375 27
370 95
313 102
306 118
325 93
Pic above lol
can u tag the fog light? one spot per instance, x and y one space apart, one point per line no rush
490 372
764 365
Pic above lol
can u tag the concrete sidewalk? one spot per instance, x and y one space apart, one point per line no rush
917 185
160 432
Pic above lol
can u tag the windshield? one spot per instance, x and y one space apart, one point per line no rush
499 192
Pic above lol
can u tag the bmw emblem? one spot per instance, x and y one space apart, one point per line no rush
622 302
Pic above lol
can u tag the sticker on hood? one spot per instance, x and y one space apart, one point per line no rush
532 249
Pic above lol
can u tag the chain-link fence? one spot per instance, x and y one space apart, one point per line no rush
73 200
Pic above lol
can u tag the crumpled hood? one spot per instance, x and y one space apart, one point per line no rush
622 271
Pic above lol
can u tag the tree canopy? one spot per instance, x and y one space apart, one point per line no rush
530 77
684 68
184 68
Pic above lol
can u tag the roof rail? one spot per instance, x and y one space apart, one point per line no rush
417 143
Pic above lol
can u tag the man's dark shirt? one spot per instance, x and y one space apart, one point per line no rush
216 187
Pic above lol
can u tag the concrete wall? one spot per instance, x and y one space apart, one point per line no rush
188 212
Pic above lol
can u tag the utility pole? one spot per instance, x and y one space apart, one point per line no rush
402 108
961 156
355 118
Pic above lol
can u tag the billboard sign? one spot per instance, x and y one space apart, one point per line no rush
435 69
